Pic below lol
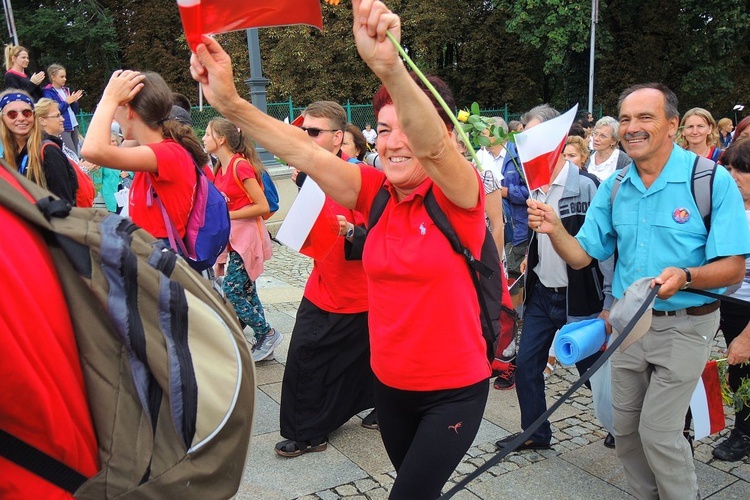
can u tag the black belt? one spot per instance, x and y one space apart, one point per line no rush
692 311
556 289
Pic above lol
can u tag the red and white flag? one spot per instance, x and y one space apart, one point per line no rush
706 404
541 146
311 226
210 17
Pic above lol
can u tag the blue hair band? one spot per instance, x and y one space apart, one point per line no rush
15 96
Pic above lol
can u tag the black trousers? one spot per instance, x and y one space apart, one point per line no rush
427 433
734 319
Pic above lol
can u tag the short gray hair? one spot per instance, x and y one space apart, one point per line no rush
608 121
500 122
543 113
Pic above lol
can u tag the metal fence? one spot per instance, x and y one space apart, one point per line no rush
358 114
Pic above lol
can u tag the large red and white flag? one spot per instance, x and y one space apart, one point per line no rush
541 146
210 17
706 404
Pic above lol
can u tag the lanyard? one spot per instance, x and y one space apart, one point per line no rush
22 168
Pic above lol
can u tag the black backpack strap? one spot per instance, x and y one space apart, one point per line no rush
702 187
30 458
378 206
475 266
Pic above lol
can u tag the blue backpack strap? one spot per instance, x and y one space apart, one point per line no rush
702 187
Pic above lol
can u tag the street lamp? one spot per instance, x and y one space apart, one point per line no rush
594 20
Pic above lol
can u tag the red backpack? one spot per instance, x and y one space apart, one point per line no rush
85 193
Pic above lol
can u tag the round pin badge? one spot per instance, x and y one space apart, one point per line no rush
681 215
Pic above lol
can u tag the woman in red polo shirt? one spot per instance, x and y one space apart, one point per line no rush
164 156
428 354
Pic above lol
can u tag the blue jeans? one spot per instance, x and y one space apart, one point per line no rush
546 312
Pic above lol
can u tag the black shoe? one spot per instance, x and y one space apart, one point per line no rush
609 441
733 448
371 421
689 438
526 445
506 379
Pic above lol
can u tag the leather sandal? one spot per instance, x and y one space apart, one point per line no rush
290 448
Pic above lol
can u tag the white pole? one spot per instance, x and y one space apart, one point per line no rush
594 20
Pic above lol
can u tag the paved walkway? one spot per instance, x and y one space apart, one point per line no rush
356 466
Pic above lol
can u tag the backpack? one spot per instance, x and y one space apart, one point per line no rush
486 273
85 193
208 225
702 186
269 190
167 369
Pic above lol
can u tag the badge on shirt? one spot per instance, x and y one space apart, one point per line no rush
681 215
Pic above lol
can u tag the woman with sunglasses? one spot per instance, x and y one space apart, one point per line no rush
607 156
163 158
427 349
16 62
22 145
237 175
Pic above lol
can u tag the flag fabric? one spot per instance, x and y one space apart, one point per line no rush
706 404
210 17
540 147
311 226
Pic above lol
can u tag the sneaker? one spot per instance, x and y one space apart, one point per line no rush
733 448
265 345
506 379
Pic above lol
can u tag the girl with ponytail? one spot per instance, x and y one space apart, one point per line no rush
163 157
238 175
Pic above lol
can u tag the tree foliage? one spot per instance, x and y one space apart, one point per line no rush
519 52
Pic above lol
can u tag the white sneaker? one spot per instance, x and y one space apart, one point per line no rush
266 344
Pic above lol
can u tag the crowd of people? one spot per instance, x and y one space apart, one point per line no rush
619 208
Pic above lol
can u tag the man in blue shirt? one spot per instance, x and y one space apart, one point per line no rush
657 230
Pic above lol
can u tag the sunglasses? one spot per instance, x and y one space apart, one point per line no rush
315 132
13 114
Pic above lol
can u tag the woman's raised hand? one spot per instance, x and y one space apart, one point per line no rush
212 67
37 78
371 20
123 86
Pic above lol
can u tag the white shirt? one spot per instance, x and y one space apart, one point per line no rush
551 268
491 162
370 135
605 168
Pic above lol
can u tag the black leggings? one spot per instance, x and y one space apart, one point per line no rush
427 433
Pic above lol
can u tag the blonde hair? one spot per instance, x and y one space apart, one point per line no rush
34 170
53 69
43 107
580 144
723 123
713 136
12 51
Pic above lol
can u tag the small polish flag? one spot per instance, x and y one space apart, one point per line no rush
210 17
706 404
541 146
311 226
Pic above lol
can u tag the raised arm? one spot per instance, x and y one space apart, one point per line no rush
212 67
429 139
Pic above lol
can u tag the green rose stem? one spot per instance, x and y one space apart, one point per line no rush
456 125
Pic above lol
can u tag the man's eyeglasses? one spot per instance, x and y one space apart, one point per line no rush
54 117
13 114
315 132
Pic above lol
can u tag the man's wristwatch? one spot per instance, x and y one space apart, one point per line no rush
350 230
688 279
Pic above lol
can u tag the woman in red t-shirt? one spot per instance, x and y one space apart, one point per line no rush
164 153
237 175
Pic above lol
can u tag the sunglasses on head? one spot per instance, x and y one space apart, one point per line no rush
13 114
315 132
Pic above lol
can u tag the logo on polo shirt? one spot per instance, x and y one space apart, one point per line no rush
422 229
681 215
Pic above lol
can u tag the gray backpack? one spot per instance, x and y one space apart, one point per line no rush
167 369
